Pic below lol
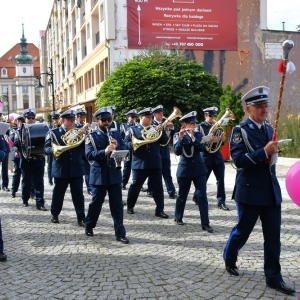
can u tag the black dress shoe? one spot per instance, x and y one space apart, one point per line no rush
3 257
232 270
281 287
13 195
5 189
122 239
161 214
89 232
173 195
178 222
207 228
25 204
223 206
81 223
130 211
42 208
54 220
195 200
124 203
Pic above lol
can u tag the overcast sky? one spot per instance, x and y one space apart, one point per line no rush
36 13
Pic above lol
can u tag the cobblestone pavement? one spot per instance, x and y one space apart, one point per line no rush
162 261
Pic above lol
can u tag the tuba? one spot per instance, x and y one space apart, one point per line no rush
72 138
217 130
152 133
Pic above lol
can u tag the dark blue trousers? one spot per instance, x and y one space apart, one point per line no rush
138 178
126 171
270 217
166 173
1 240
59 190
49 167
35 173
115 205
219 172
4 172
184 184
16 178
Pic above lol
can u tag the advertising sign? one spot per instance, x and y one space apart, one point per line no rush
182 24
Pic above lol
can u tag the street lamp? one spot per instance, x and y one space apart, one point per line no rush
50 81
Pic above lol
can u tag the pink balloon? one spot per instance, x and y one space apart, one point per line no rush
292 181
11 118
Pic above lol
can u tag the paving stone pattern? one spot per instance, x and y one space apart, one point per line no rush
162 261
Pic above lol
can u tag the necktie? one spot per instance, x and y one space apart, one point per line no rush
262 128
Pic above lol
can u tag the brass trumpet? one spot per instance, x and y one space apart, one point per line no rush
153 133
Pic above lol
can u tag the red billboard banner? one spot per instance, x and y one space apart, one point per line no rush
182 24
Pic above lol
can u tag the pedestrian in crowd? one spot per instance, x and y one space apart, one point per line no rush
105 177
15 134
80 123
188 143
214 161
257 192
3 155
67 169
158 115
32 168
4 162
55 124
131 121
146 162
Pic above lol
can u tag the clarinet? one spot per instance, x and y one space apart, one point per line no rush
118 161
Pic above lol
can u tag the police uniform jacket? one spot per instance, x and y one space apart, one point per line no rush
14 132
164 150
210 158
147 156
256 181
87 164
115 127
191 163
4 149
70 163
125 127
103 169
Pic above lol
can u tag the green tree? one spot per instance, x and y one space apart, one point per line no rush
157 77
232 101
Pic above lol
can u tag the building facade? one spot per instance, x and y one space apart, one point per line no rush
18 70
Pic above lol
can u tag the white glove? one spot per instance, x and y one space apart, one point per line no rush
206 138
274 159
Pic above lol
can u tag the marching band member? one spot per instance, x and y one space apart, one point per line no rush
256 192
104 176
32 168
146 162
80 123
214 161
3 154
114 126
16 160
188 143
4 162
131 121
158 113
55 123
68 169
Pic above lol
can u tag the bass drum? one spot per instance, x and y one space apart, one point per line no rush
33 139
